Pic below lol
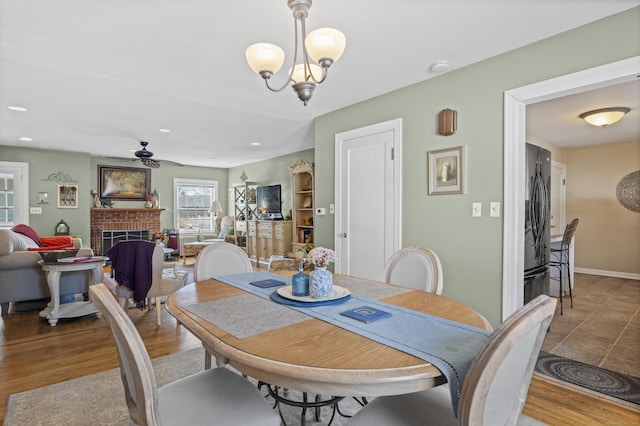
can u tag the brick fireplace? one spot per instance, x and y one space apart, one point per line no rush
134 221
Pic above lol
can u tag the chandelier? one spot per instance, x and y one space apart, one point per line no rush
324 45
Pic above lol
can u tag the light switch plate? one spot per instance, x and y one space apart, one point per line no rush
476 210
35 210
332 209
320 211
494 209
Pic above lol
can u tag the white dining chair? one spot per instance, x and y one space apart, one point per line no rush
494 389
215 260
211 397
415 267
219 259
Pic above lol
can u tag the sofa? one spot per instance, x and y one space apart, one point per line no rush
22 278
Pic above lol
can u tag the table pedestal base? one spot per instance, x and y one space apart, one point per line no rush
316 404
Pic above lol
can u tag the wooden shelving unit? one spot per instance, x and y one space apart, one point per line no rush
302 187
244 201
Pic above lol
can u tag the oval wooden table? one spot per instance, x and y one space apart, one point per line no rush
315 356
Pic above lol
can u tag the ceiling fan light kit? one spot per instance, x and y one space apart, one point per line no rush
604 116
145 156
324 45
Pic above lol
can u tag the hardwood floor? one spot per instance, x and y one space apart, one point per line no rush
34 354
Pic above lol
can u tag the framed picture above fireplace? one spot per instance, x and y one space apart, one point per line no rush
123 183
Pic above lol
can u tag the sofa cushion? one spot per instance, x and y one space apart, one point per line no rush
28 231
12 241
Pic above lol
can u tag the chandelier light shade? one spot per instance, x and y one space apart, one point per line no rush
324 45
605 116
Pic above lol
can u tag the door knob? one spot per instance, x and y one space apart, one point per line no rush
343 235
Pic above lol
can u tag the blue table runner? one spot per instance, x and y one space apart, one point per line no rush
448 345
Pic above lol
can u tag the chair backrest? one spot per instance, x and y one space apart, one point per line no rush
218 259
137 374
496 384
415 267
569 232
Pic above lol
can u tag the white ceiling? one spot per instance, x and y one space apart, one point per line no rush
98 76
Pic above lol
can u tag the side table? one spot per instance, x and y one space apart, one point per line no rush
53 270
192 249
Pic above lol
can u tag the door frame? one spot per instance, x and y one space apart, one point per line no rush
394 126
515 102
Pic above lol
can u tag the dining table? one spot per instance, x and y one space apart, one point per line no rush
285 347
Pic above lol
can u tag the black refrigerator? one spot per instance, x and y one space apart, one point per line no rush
537 222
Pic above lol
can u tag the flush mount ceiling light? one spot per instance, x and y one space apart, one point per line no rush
324 45
605 116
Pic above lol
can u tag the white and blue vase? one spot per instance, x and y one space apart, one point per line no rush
320 282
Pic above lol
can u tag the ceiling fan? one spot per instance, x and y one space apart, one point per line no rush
145 156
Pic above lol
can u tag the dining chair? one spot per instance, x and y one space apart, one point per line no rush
561 260
216 396
219 259
415 267
165 276
495 386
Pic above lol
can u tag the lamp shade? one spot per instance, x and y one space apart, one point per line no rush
216 207
299 75
605 116
325 43
265 57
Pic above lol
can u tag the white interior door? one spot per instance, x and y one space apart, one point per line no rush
558 194
368 202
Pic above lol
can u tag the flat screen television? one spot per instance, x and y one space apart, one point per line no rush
269 200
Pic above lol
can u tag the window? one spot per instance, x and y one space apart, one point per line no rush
14 193
193 201
6 200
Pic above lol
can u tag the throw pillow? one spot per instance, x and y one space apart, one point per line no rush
226 230
12 241
29 232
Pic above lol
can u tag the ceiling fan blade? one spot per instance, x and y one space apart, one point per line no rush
150 163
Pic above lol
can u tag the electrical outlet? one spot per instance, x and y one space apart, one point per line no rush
35 210
494 209
476 210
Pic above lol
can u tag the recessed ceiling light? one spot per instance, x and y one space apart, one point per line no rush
164 130
255 144
25 139
440 66
17 108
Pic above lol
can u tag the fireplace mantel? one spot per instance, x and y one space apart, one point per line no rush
120 219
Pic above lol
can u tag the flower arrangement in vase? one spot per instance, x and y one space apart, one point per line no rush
148 198
159 237
320 280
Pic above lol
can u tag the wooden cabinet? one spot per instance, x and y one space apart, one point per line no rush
244 202
266 238
302 187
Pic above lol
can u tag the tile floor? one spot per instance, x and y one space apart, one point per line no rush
603 328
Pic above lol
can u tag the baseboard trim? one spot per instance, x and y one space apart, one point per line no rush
613 274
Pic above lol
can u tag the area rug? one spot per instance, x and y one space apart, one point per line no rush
611 383
98 399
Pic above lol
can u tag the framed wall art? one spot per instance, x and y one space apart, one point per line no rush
444 168
67 196
43 198
123 183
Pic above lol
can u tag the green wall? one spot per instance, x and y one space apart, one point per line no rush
162 182
470 248
271 172
45 163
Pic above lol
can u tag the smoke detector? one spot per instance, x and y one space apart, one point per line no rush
440 66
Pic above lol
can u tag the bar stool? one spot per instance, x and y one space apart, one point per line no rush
562 259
